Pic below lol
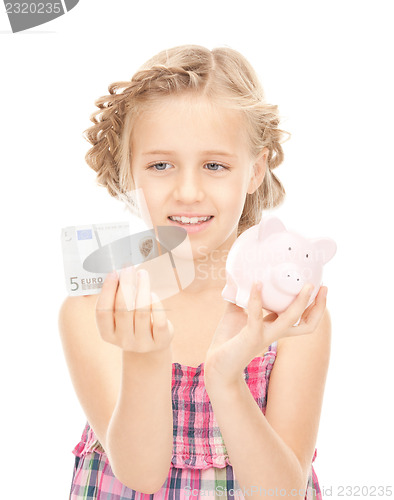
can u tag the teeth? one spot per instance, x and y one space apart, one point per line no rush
187 220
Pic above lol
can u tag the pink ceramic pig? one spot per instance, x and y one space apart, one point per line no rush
282 260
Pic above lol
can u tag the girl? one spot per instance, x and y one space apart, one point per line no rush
192 395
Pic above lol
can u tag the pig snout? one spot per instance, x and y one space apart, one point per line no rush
288 278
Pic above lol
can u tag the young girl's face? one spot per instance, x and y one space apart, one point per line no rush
192 157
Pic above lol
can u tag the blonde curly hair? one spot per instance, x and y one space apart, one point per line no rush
223 75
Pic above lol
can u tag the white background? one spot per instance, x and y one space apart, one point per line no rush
328 65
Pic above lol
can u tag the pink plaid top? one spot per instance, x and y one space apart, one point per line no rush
200 462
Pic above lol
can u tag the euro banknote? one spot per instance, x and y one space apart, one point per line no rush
92 251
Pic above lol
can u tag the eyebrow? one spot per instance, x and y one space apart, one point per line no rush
208 152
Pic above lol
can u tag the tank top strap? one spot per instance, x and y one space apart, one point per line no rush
273 347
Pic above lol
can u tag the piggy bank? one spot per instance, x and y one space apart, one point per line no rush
282 260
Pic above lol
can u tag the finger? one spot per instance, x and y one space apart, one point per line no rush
126 291
124 302
233 320
161 324
293 313
270 318
255 330
105 306
313 315
142 317
305 314
255 306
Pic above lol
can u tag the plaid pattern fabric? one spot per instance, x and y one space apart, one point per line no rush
200 464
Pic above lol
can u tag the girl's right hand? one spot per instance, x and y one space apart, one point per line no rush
141 325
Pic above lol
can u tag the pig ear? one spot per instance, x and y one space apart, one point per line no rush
324 249
270 226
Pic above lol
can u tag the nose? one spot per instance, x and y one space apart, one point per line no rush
288 278
188 188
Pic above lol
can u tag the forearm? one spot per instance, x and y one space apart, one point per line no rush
262 462
140 433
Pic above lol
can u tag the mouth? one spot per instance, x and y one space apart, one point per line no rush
193 221
193 225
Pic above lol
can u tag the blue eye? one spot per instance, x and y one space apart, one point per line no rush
217 165
157 166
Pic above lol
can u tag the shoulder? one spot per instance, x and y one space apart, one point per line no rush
296 389
317 343
77 322
302 361
76 302
74 309
94 364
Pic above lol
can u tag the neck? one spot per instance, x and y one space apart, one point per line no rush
210 269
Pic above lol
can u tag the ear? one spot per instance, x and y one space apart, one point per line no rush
258 173
270 226
325 249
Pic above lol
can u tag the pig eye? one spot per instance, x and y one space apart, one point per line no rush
307 255
289 248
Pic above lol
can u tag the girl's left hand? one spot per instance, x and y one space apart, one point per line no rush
241 336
